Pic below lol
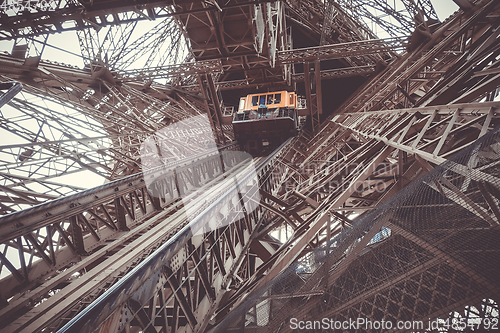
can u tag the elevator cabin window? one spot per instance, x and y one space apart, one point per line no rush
269 99
277 98
262 99
255 100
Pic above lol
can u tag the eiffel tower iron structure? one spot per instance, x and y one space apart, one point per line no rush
384 209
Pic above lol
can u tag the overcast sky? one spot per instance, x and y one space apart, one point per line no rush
444 8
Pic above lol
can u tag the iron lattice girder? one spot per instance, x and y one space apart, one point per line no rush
362 122
421 9
164 44
457 185
416 73
343 27
17 68
388 17
150 107
235 238
43 150
230 35
75 16
344 297
212 106
311 13
344 294
184 69
338 51
94 15
218 34
340 73
103 217
386 132
13 89
353 137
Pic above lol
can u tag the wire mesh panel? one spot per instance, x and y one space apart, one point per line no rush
428 259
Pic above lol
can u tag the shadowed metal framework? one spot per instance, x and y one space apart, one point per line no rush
302 232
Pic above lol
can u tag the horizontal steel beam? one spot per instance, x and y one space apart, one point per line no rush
196 67
96 16
338 51
340 73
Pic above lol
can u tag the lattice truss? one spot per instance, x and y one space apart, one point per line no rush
77 127
336 186
394 19
131 243
439 73
187 277
67 119
429 253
